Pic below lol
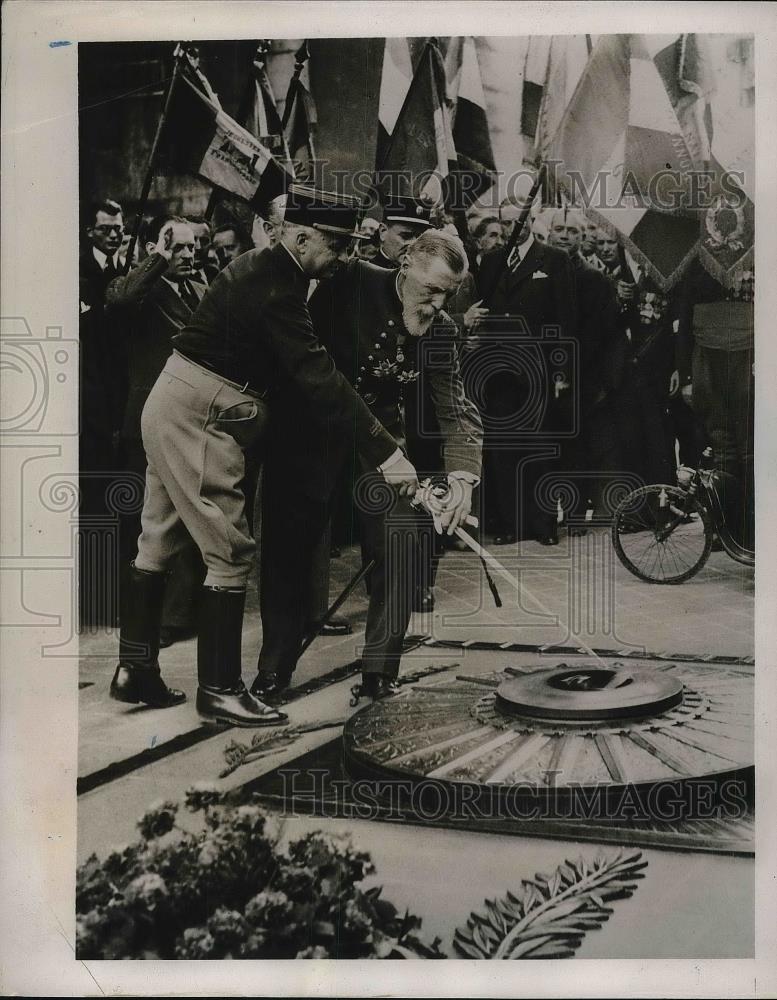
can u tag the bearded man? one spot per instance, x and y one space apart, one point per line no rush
386 333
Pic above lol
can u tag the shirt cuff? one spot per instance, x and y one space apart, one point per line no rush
391 460
468 477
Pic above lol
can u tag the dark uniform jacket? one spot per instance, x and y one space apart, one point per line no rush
151 313
253 327
358 317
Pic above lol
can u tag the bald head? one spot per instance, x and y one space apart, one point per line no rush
565 230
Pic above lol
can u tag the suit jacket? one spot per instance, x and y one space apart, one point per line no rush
103 379
150 314
541 289
358 317
253 326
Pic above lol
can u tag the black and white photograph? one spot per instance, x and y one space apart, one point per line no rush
384 464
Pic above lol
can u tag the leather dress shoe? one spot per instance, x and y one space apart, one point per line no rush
335 626
378 686
236 706
143 686
269 689
577 532
507 539
547 539
170 634
423 602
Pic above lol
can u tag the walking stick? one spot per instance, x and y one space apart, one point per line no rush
337 604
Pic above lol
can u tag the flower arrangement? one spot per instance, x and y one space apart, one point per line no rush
229 891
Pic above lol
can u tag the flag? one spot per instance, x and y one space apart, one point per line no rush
622 150
260 113
395 80
720 141
299 120
421 145
567 58
200 138
535 69
475 171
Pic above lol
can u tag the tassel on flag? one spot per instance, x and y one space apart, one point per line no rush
476 170
260 112
299 120
200 138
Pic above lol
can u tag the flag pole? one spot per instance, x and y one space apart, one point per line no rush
517 230
178 56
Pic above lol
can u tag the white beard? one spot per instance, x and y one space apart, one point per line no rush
416 325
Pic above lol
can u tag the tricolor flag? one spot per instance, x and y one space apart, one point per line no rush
199 138
421 145
623 153
260 113
567 58
299 120
476 171
395 82
535 71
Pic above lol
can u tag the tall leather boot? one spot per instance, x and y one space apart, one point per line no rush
222 696
137 679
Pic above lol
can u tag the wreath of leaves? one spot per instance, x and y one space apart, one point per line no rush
548 917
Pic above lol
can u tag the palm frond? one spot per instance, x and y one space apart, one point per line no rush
550 914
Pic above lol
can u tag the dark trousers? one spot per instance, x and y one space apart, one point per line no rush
593 458
642 419
293 527
723 392
521 455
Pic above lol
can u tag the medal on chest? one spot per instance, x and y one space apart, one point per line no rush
386 362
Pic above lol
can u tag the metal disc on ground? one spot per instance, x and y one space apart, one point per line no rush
584 732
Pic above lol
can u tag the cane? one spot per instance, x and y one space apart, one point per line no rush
337 604
429 498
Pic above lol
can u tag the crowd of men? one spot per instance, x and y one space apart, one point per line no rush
239 381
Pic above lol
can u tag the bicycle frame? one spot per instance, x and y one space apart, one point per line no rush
703 484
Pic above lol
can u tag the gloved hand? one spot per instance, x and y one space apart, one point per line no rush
401 473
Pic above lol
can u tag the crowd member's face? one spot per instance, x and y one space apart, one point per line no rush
107 232
184 248
509 214
396 237
492 237
426 284
272 227
607 248
201 232
320 252
227 247
589 238
565 233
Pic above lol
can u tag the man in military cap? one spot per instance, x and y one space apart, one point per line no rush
387 333
404 219
250 338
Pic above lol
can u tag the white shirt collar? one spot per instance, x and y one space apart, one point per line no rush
102 258
520 252
292 256
175 285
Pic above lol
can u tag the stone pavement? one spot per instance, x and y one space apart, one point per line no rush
576 592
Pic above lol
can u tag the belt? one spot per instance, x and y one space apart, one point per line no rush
247 388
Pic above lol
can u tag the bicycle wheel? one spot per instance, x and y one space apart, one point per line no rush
661 534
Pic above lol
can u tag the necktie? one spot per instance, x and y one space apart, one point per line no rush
189 296
110 270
